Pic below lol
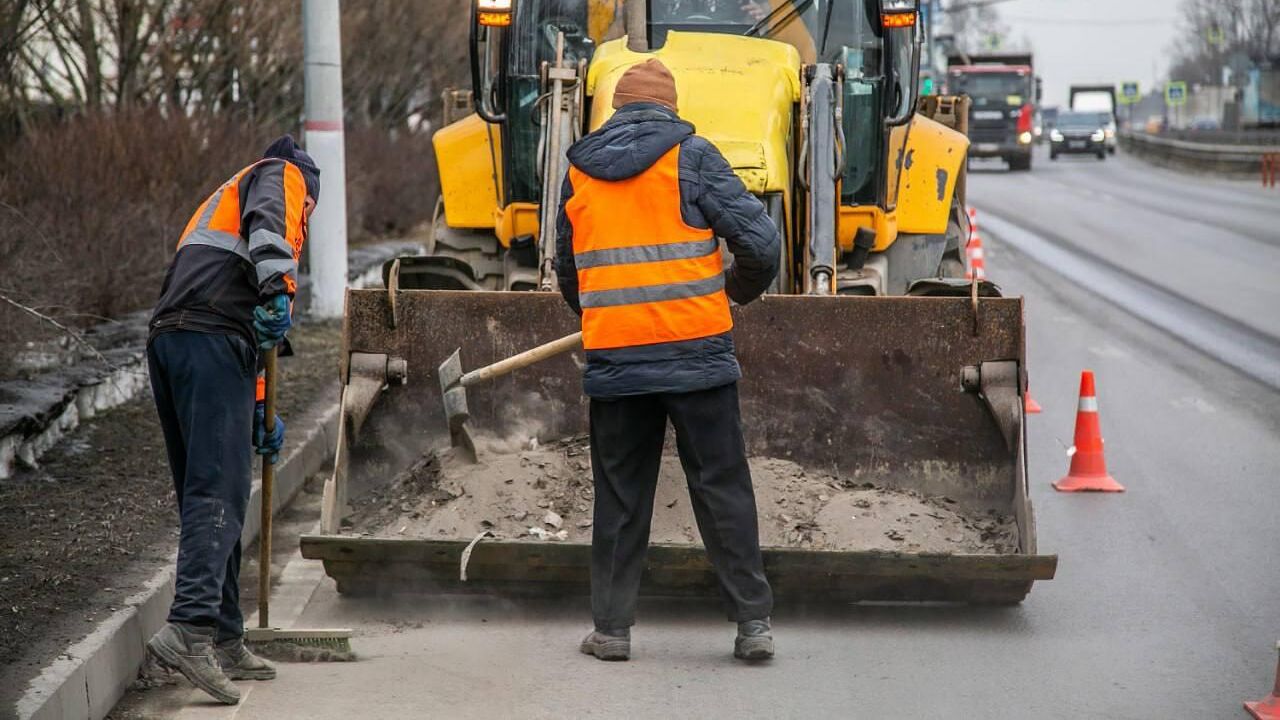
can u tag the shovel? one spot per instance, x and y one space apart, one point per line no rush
454 384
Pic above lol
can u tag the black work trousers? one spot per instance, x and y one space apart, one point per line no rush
627 435
203 385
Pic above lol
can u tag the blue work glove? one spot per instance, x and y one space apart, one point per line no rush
267 444
271 320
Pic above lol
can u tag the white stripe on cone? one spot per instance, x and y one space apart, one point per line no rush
1089 404
973 249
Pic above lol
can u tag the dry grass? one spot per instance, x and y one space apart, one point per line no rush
91 207
391 182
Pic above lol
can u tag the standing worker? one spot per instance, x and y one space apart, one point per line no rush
226 296
637 258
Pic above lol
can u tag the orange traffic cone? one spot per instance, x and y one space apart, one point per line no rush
1033 407
1268 708
973 250
1088 467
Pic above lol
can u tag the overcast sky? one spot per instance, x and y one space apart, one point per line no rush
1085 41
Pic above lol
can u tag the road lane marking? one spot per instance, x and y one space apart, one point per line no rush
1181 210
1251 352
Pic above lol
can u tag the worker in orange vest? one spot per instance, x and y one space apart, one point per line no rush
637 257
226 296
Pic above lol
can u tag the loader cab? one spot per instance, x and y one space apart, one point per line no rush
875 42
508 51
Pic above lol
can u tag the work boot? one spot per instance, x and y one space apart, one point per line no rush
189 650
754 641
608 645
240 664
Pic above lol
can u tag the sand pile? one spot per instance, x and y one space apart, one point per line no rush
545 493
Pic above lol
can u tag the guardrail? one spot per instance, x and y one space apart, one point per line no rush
1225 137
1219 157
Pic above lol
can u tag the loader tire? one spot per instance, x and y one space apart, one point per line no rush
952 265
479 249
1020 163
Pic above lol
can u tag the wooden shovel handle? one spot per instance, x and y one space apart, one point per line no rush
268 483
524 359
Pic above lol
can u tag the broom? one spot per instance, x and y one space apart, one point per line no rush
333 645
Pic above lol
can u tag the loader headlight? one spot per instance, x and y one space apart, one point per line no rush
1098 136
494 13
1024 138
1056 136
898 14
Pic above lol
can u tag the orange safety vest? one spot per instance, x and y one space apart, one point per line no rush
644 275
218 219
217 223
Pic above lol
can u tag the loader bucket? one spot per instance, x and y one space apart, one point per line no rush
904 392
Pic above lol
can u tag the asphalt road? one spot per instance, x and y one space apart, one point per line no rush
1167 600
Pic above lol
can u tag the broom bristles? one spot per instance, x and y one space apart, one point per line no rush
302 645
306 649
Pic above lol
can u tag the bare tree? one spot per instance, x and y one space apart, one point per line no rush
387 75
1213 31
17 22
977 28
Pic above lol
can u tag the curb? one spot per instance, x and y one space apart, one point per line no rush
91 676
59 402
78 399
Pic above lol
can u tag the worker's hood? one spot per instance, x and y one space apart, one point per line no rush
630 142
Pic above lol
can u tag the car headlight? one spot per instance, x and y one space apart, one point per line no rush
1098 136
1025 138
1056 136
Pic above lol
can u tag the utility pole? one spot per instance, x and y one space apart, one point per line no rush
324 140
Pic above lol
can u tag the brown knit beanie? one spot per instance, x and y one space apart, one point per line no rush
650 81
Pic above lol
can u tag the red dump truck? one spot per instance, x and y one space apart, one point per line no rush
1005 92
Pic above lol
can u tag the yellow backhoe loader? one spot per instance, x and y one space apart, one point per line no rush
872 356
813 104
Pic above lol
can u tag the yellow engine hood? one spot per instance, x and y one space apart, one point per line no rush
738 92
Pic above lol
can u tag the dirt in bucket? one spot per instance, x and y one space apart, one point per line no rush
544 492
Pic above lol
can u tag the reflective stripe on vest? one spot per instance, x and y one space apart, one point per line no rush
217 221
644 276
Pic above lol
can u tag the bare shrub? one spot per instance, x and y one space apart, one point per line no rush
391 182
117 119
92 208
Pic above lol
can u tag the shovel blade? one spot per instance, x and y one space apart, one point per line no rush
456 413
463 444
451 372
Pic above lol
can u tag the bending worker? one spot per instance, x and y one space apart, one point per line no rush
637 258
226 296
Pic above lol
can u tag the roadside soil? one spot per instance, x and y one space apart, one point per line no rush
545 494
97 519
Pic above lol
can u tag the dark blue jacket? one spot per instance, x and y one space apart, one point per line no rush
711 196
